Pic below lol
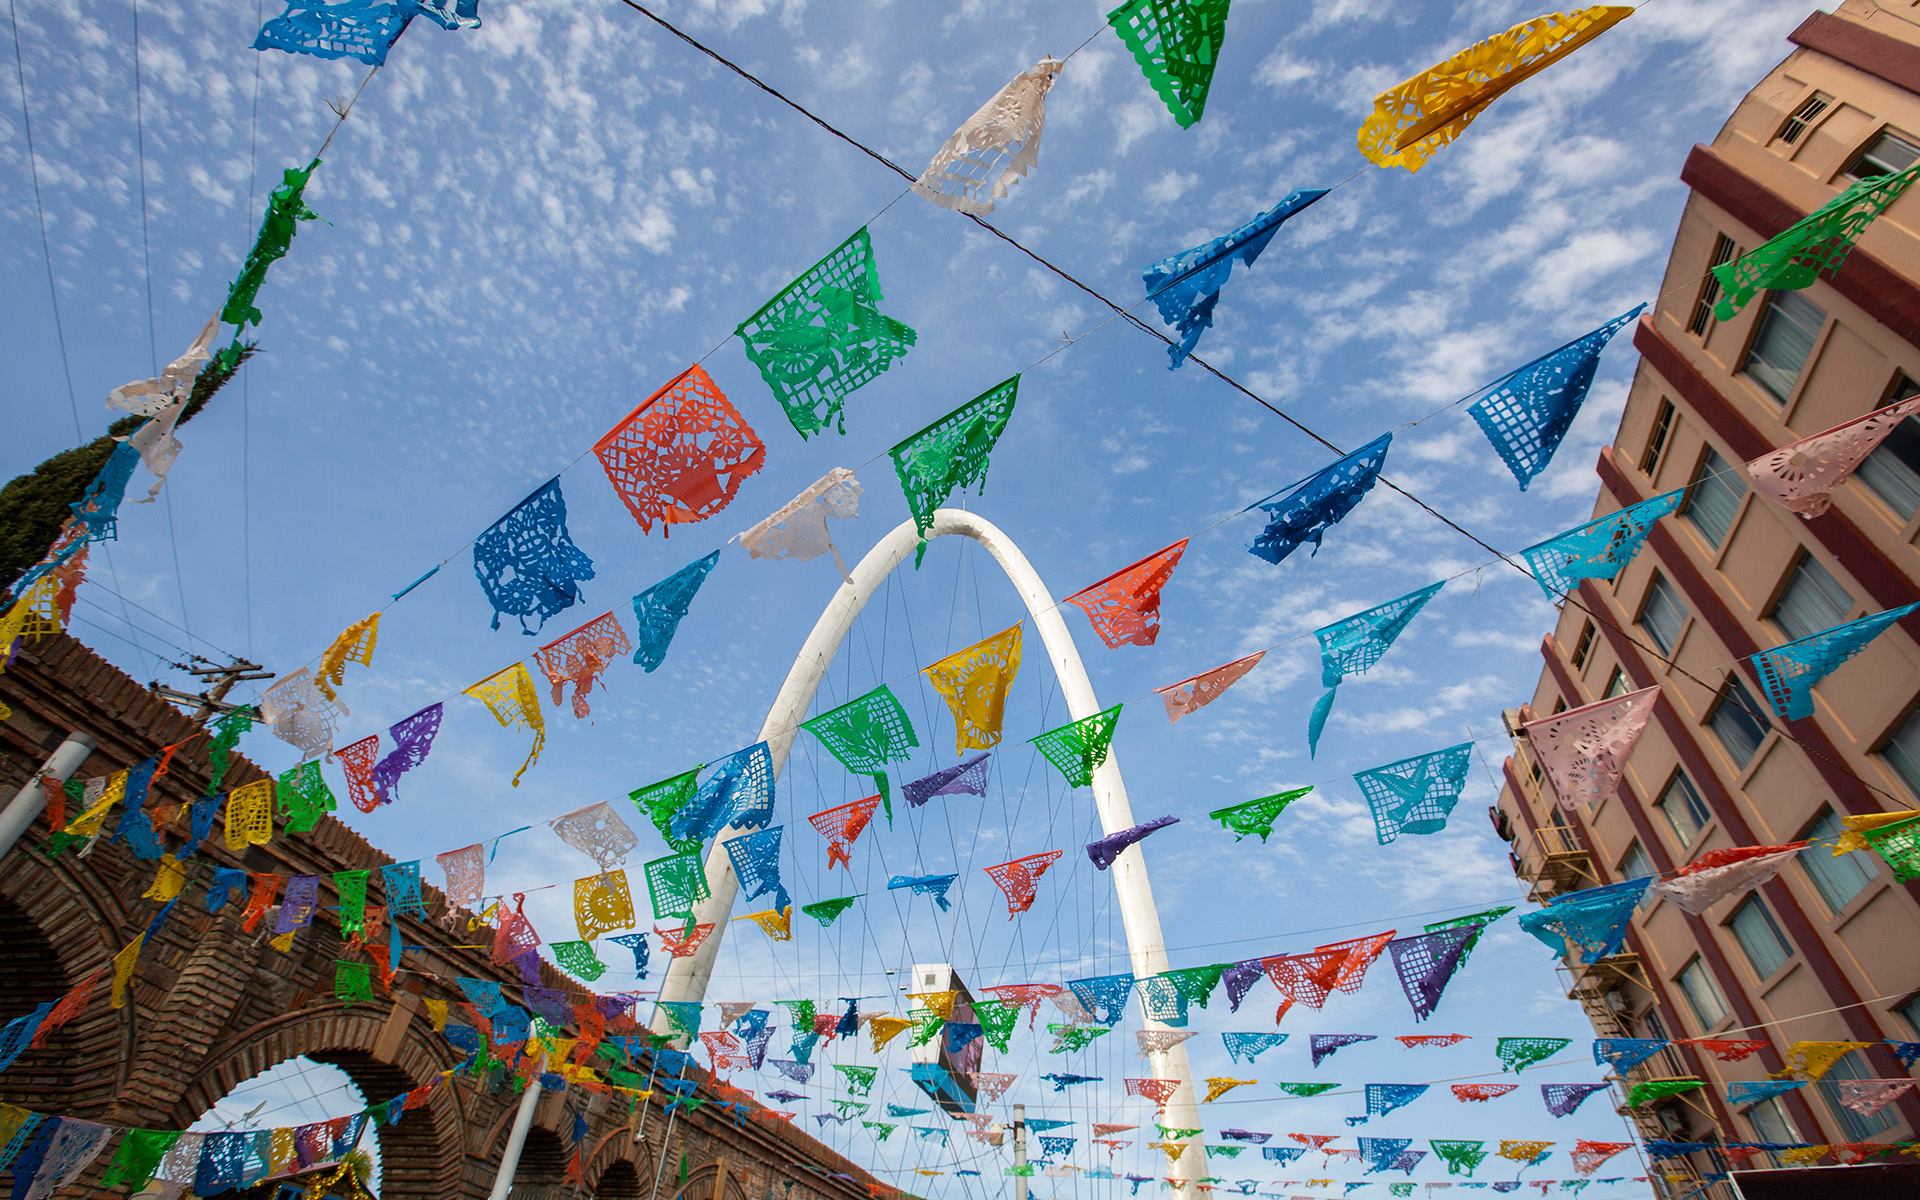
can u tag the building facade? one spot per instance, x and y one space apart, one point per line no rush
211 1003
1825 951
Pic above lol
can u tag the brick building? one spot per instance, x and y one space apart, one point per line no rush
212 1005
1825 951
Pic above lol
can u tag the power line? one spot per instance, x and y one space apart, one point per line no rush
46 247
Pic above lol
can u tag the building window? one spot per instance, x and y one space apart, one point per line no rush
1808 112
1858 1128
1617 684
1714 496
1657 440
1683 808
1902 752
1888 153
1737 721
1766 948
1724 252
1770 1122
1583 646
1812 602
1893 469
1910 1013
1780 348
1636 864
1838 880
1662 614
1702 994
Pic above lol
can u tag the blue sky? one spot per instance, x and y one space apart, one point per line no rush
533 225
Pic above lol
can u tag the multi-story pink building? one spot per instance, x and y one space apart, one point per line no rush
1826 951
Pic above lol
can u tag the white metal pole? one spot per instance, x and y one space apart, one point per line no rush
1019 1151
687 977
31 800
517 1137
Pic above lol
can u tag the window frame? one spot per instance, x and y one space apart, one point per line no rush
1805 567
1908 775
1617 684
1583 646
1851 1066
1756 903
1804 117
1821 866
1700 320
1695 805
1782 303
1628 869
1715 477
1699 963
1659 585
1885 132
1752 708
1902 387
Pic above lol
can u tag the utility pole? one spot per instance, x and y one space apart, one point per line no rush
213 700
1019 1152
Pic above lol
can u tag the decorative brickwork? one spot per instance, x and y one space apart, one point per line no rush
212 1005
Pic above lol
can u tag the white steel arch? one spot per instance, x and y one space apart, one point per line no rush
687 978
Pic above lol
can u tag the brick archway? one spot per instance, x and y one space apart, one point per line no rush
619 1181
421 1155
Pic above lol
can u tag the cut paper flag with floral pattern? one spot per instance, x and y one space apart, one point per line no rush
1383 1098
1413 120
799 529
1593 921
597 832
1714 876
1624 1054
1461 1157
1159 1041
663 801
1588 1157
1250 1044
1304 511
974 682
1125 606
1801 476
953 452
1795 257
412 742
286 208
925 885
827 911
1814 1059
1583 750
994 148
739 793
1427 962
1868 1096
1482 1092
1105 851
823 336
1191 695
1323 1045
509 696
297 712
1186 286
967 778
1256 816
777 924
1562 1099
1076 749
1349 647
1527 414
1337 967
581 658
682 455
1789 672
527 564
676 885
865 735
1598 549
1104 996
357 29
658 611
1415 795
1017 878
1177 44
756 863
1899 844
842 826
354 644
602 904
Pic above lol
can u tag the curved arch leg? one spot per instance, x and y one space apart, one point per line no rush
687 977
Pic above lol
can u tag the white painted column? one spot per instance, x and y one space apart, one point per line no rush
31 800
517 1137
687 977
